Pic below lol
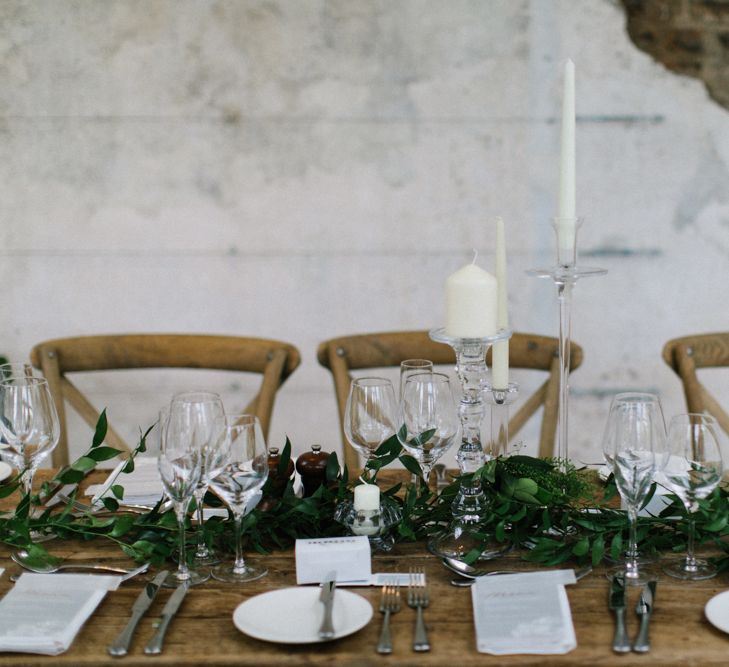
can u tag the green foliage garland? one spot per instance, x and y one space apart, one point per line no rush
553 516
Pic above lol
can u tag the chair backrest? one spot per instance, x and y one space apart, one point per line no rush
342 355
688 354
274 360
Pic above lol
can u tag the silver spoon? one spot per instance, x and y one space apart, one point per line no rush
48 566
468 574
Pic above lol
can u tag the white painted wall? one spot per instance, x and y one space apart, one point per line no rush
302 169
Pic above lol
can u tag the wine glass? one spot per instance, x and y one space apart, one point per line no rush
179 463
203 413
239 484
369 417
634 446
28 423
411 367
694 471
429 423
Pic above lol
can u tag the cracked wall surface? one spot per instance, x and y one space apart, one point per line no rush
304 170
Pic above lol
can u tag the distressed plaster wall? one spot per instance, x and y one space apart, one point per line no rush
306 169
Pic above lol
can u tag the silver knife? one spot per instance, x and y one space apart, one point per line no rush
170 609
326 631
621 644
644 609
120 646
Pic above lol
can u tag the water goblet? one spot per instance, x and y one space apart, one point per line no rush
29 427
370 414
179 464
203 412
411 367
239 484
695 471
634 448
429 422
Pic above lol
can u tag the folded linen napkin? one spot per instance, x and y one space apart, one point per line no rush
142 486
44 612
526 613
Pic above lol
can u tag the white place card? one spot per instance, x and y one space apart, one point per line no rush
526 613
44 612
348 556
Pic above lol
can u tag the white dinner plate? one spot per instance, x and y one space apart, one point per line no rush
5 471
717 611
293 615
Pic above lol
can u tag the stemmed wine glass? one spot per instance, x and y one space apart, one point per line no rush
239 485
428 419
179 463
411 367
370 414
695 471
28 423
634 446
203 413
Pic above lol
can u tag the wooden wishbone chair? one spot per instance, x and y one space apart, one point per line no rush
380 350
274 360
687 355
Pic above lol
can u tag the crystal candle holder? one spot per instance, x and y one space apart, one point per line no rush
375 524
470 505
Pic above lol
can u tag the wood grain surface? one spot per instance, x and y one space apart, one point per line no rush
203 631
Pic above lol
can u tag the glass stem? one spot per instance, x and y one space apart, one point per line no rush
690 564
183 573
239 565
631 563
202 548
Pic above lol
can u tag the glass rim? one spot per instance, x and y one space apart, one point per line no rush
416 363
435 377
23 380
637 397
371 381
212 396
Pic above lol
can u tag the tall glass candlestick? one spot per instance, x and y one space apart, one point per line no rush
469 506
565 276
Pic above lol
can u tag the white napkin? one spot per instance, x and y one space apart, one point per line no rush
526 613
44 612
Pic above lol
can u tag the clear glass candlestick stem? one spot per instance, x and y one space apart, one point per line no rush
565 275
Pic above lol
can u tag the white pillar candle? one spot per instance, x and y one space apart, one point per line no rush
566 215
500 357
367 497
470 298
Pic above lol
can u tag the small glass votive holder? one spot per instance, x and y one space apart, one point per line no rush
376 524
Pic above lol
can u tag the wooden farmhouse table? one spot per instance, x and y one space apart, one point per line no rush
203 633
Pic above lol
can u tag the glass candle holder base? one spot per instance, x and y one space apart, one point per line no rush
376 525
462 541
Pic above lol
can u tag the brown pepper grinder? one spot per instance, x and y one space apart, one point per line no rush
312 466
278 481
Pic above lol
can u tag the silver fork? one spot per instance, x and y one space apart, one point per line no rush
419 599
389 604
